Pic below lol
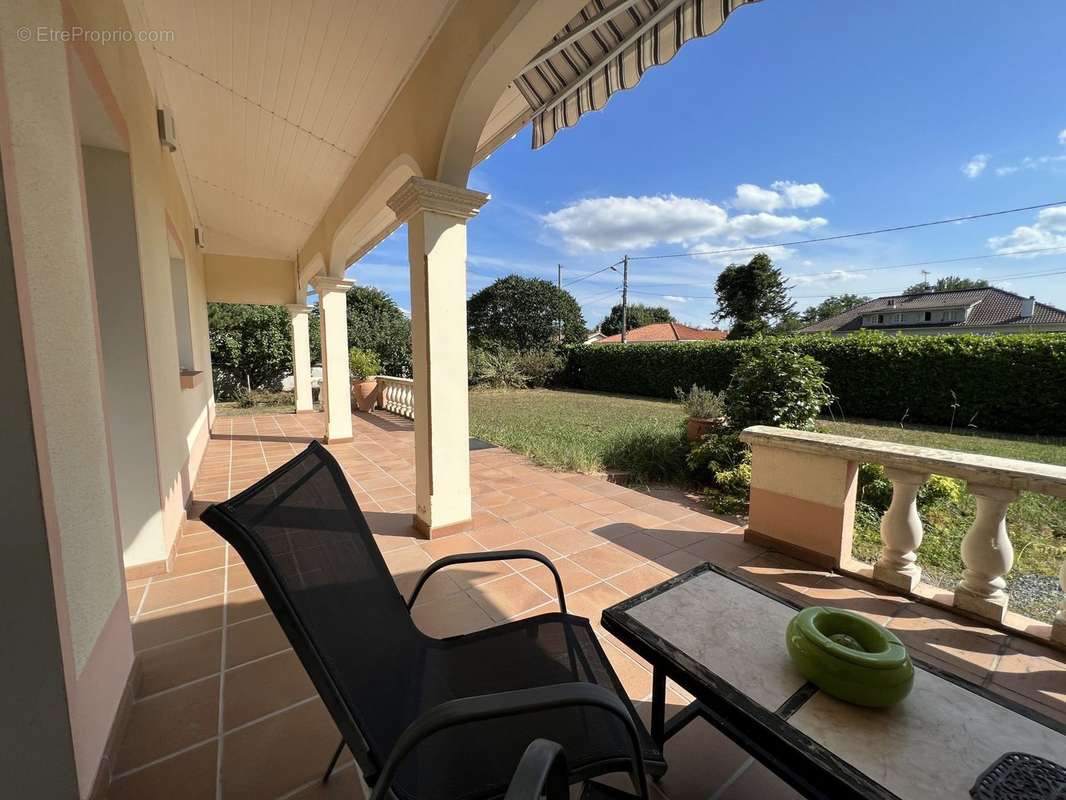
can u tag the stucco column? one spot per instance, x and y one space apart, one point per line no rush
436 215
301 356
336 389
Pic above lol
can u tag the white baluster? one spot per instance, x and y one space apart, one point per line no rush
987 554
1058 627
901 531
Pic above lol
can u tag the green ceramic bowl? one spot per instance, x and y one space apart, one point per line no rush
849 656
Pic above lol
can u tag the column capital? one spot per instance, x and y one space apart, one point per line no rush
297 308
420 194
325 284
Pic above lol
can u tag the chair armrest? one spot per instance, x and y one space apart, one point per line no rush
541 773
495 555
509 704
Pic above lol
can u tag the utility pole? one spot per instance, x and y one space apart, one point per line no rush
625 294
559 280
559 285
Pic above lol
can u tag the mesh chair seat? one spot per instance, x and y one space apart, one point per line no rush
303 538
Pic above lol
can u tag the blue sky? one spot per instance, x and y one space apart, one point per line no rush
796 120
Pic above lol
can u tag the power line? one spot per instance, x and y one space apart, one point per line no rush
1019 276
590 274
1004 254
854 235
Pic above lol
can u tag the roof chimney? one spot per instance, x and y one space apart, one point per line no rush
1028 307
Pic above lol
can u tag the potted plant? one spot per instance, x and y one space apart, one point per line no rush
364 366
704 410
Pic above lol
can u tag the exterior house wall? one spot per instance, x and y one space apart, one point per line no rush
63 366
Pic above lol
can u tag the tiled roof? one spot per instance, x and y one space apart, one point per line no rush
991 307
667 332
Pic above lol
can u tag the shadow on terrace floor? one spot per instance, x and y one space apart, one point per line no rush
207 621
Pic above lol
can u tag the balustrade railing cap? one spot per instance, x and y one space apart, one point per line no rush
978 470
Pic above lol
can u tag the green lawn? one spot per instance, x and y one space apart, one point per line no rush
591 432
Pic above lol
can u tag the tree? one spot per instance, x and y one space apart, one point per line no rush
250 346
751 294
376 324
637 316
949 283
523 314
831 306
788 323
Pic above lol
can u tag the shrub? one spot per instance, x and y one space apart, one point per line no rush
363 364
541 367
651 455
875 490
1014 383
495 369
776 386
700 403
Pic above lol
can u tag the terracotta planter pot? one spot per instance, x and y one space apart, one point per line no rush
365 394
698 428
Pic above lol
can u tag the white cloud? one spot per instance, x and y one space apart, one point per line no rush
1033 163
1049 230
836 276
615 223
1062 136
781 194
675 298
976 165
1007 170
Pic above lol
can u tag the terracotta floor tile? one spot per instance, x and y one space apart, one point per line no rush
605 506
344 784
499 535
262 687
253 639
784 575
572 515
515 510
568 541
538 524
504 598
183 590
574 577
676 536
296 744
133 598
198 541
639 578
197 561
590 601
177 622
645 546
169 722
708 523
966 646
171 665
1034 671
635 678
450 617
869 600
701 760
678 561
606 560
450 545
440 585
244 604
238 577
187 776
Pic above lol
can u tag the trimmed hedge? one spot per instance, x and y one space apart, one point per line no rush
1011 383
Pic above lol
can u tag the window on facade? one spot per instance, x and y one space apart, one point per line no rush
880 318
179 288
928 316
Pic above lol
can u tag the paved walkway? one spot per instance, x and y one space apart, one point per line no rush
224 709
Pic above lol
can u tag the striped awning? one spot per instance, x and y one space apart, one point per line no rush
606 48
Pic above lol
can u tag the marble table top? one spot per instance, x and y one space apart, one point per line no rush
935 743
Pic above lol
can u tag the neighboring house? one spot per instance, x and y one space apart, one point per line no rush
985 311
667 332
595 336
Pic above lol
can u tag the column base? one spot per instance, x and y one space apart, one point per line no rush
338 439
428 531
993 608
306 411
906 581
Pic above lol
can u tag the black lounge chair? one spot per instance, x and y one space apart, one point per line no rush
424 718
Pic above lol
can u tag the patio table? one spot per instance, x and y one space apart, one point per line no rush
722 639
